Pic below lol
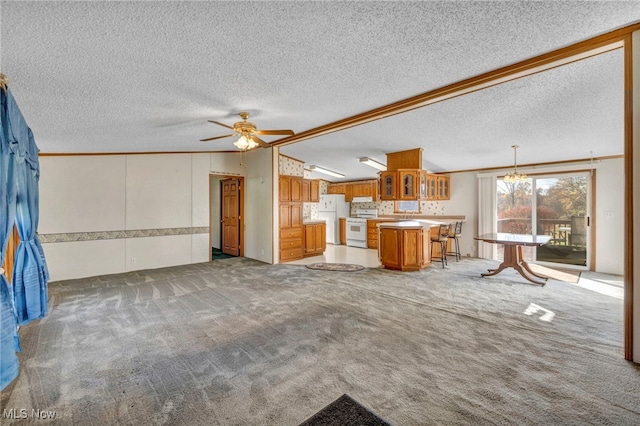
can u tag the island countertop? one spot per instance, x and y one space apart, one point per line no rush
442 218
410 224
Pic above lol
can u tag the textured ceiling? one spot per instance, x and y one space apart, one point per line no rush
146 77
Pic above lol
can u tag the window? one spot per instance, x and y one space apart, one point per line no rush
407 207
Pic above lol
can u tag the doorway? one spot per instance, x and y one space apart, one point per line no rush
226 218
556 205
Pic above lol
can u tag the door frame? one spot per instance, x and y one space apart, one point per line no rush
590 174
217 204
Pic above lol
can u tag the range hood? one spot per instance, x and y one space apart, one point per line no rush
368 199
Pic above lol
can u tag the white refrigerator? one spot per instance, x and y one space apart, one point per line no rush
330 208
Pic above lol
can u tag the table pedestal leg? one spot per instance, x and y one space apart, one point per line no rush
513 259
510 260
525 265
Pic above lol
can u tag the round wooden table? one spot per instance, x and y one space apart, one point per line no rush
513 253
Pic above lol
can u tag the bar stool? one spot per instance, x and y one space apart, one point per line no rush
455 233
441 238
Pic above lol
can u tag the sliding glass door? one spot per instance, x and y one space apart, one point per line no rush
554 205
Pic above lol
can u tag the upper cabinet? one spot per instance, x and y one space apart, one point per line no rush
336 188
388 185
408 180
404 185
367 188
310 191
405 180
444 187
290 188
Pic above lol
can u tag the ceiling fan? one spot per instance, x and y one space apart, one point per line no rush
248 133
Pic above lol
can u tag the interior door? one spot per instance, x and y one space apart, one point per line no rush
231 216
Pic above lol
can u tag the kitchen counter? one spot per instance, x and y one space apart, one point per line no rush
410 224
441 218
313 221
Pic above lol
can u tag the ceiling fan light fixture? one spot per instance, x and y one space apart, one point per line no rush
245 143
373 163
515 176
325 171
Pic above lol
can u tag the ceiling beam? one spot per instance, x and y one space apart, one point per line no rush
576 52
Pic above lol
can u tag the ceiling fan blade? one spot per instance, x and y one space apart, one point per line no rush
220 124
275 132
216 137
260 141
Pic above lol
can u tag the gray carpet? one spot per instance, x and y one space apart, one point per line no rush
238 342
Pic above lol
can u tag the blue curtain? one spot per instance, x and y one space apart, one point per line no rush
8 316
30 273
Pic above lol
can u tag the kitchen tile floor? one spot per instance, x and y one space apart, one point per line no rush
343 254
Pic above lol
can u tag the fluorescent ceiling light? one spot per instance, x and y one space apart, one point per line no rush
373 163
325 171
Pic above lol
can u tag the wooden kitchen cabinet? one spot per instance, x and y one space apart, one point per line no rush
291 213
314 191
405 248
290 188
315 239
443 184
388 185
296 188
438 187
409 159
348 192
355 189
432 187
336 188
372 231
403 182
306 191
343 230
408 188
404 185
365 189
310 191
291 244
284 188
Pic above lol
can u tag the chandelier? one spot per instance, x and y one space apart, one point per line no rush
515 176
245 142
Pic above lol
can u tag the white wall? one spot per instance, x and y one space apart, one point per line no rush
258 212
94 204
609 216
464 196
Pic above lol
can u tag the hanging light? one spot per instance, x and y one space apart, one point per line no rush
515 176
245 142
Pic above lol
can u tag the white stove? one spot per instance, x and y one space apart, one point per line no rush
357 227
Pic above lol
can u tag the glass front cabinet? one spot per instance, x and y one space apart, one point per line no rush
388 185
408 184
444 189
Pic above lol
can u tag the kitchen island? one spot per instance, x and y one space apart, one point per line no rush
406 245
